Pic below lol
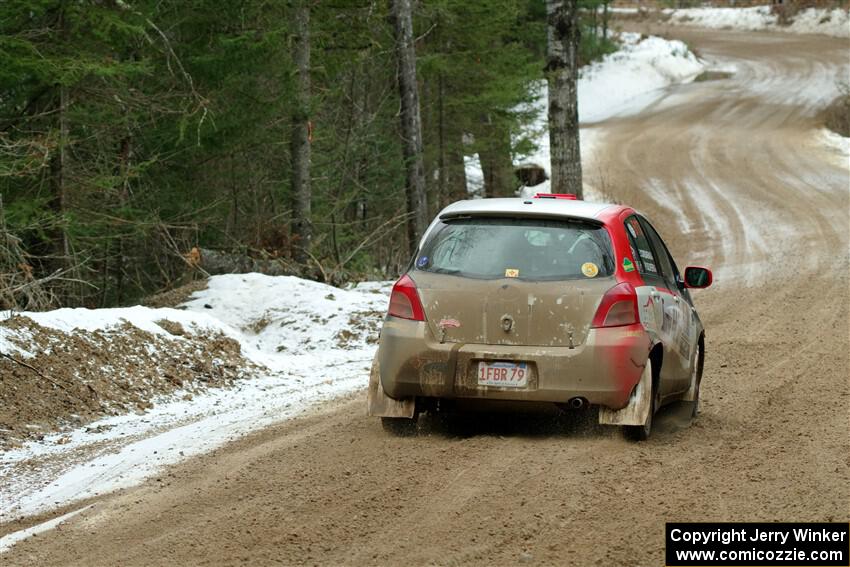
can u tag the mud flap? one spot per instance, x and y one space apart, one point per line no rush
693 391
640 403
691 394
378 404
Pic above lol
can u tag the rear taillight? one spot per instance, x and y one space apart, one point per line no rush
404 300
619 307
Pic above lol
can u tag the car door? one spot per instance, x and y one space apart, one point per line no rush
656 303
676 326
690 324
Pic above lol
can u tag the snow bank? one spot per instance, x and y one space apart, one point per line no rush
291 324
834 22
827 22
748 19
622 83
627 81
837 145
272 317
313 342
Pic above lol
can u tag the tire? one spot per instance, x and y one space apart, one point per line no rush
399 426
642 432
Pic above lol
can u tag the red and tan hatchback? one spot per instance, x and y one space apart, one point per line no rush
548 300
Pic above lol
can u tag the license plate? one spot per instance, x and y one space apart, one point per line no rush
503 374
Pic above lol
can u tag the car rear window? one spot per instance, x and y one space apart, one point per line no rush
530 249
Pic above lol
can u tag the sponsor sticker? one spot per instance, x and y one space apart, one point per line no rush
449 323
628 265
511 273
422 262
589 269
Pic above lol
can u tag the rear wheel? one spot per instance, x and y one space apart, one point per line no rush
642 432
399 426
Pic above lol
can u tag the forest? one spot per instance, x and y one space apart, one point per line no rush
142 141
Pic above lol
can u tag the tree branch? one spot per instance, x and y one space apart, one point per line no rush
34 369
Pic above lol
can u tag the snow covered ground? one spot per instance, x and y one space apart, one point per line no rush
837 145
630 79
311 341
622 83
834 22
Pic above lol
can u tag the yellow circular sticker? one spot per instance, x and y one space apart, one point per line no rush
589 269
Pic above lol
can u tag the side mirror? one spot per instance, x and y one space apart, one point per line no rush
698 278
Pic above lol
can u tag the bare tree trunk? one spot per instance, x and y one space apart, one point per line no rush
61 171
593 20
302 228
411 122
442 161
605 19
562 75
123 172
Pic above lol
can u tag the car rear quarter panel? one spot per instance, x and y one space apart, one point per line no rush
680 343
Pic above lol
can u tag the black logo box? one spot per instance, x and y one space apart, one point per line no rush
800 538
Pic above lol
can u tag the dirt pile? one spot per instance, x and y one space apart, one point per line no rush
362 325
175 297
79 376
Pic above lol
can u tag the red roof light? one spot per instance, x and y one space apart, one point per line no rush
568 196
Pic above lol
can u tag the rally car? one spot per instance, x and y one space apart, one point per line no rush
548 300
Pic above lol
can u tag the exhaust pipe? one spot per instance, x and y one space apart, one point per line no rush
577 403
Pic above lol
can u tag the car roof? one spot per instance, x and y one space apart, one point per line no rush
532 207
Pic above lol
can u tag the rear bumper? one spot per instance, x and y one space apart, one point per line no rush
604 370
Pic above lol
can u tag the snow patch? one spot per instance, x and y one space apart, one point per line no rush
837 145
629 80
834 22
314 341
7 541
748 19
474 176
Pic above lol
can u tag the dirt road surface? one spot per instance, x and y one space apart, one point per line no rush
729 165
